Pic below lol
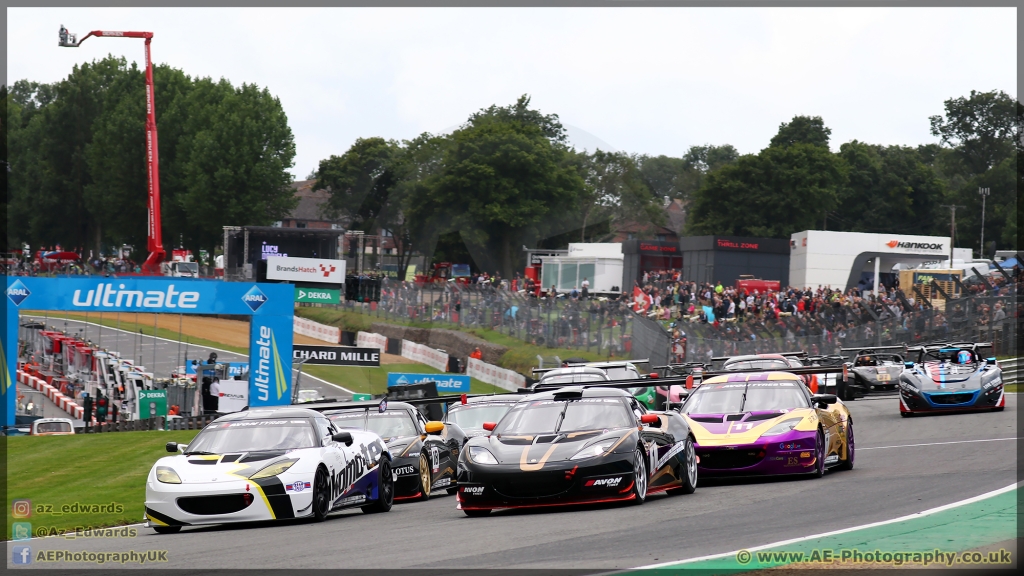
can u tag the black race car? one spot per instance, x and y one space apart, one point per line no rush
872 370
424 452
471 413
576 445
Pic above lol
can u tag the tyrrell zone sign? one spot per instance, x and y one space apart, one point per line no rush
270 308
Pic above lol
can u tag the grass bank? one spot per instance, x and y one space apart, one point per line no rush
375 380
521 356
85 469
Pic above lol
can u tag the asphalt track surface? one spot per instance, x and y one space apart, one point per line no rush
162 354
903 466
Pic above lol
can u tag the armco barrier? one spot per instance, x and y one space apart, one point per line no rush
372 340
501 377
425 355
62 401
316 330
1010 368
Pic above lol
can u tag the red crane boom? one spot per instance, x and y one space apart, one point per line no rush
155 242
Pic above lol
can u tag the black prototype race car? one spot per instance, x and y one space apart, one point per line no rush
425 452
576 445
872 370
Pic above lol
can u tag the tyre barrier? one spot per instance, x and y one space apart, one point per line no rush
62 401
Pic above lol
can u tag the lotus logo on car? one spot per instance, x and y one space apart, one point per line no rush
17 292
254 298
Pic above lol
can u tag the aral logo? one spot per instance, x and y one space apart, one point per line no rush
254 298
17 292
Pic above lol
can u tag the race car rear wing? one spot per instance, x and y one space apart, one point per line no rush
375 404
801 371
801 354
599 365
622 384
873 348
935 345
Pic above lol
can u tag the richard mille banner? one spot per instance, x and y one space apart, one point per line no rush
336 355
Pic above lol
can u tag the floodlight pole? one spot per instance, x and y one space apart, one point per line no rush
984 192
155 243
952 228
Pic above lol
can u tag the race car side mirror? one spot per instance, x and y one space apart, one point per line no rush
908 364
990 360
344 437
824 398
650 419
490 426
172 446
434 427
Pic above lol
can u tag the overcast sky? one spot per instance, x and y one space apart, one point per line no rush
647 80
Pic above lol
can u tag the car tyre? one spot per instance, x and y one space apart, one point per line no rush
477 513
639 476
167 529
819 455
850 448
689 471
424 473
385 491
321 495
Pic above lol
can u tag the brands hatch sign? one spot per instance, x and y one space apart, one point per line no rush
336 355
306 269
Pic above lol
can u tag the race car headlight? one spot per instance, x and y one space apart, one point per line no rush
481 455
167 475
273 469
782 427
594 450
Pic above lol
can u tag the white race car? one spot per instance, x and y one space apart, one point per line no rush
268 464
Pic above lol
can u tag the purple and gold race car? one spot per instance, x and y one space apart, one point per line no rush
767 423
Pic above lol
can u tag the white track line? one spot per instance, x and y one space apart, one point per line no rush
929 512
939 443
178 342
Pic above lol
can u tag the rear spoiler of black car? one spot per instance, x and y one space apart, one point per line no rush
374 404
602 366
802 371
870 349
622 384
801 354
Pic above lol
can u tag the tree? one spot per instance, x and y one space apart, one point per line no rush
775 193
615 191
888 188
503 179
802 130
360 182
980 128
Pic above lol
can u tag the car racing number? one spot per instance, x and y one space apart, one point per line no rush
435 459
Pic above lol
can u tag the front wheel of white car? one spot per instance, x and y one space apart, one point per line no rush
321 495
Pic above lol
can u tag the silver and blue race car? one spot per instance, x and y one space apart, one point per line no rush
950 377
268 464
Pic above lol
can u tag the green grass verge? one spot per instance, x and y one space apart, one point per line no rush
521 356
95 469
375 380
1011 387
134 327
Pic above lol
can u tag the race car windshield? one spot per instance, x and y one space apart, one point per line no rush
386 425
473 417
254 436
545 416
728 399
765 364
568 378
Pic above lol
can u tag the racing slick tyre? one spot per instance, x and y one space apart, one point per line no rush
167 529
819 455
386 490
640 476
424 473
845 392
477 513
689 473
850 452
321 495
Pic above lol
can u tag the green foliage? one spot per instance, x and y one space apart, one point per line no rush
980 128
775 193
802 130
77 152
